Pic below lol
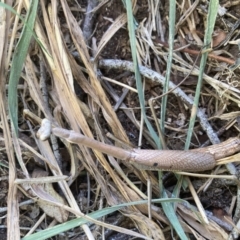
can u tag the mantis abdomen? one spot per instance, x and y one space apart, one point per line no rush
196 160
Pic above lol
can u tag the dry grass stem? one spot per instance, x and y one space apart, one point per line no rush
77 69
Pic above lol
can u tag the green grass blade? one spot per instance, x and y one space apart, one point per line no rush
168 208
131 29
172 20
172 217
211 18
19 57
50 232
9 8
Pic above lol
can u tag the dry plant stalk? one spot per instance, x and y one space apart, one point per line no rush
171 160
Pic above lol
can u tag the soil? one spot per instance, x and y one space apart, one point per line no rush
218 198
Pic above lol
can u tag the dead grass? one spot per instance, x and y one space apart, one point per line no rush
65 79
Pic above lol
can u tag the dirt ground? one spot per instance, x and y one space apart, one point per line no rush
96 181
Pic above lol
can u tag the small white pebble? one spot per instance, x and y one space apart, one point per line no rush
221 11
44 131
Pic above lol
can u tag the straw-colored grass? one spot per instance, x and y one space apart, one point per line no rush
140 73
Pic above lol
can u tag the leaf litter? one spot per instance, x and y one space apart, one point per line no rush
72 71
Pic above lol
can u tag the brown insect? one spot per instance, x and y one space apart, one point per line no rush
196 160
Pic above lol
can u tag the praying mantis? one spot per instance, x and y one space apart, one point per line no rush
196 160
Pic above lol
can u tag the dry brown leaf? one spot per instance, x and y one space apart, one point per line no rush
47 197
210 231
145 225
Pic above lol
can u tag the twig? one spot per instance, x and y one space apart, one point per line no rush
88 21
196 52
